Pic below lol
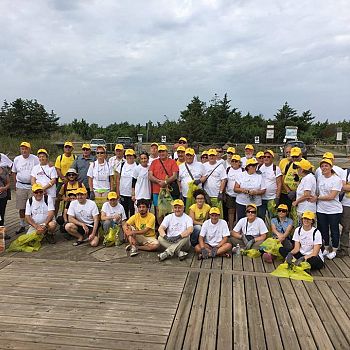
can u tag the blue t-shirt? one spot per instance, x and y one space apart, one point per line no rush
282 226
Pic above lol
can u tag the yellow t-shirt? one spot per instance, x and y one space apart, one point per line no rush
288 178
64 191
200 214
64 163
140 223
179 163
283 163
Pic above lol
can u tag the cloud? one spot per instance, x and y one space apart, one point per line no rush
112 61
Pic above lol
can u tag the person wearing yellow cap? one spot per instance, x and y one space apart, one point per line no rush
249 231
114 162
204 157
40 212
153 152
180 155
214 237
260 158
84 219
82 164
182 142
329 207
337 169
71 185
229 153
249 154
307 244
249 187
22 168
219 154
174 232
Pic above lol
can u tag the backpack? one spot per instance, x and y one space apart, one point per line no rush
46 199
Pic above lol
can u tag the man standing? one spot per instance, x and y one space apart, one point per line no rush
81 165
21 169
114 162
153 154
174 232
249 153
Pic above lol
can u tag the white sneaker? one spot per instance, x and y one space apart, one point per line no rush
325 252
134 251
163 256
182 255
331 255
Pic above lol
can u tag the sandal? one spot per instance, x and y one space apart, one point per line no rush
75 244
227 255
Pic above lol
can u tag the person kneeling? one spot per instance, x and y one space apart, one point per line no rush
140 230
249 231
307 244
213 238
174 232
83 217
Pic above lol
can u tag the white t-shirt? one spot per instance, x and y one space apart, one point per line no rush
255 228
232 176
346 198
270 177
100 174
5 160
196 169
251 182
212 185
213 234
23 168
125 185
83 212
307 183
307 241
176 224
39 210
43 174
114 162
244 161
111 211
143 185
151 159
324 186
338 170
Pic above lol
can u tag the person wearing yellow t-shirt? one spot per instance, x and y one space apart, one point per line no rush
140 230
199 212
70 185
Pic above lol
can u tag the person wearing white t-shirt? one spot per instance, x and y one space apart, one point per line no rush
22 168
337 169
84 219
249 154
345 218
307 244
40 213
214 237
249 187
118 158
153 153
306 189
45 175
329 208
174 232
250 231
141 185
5 161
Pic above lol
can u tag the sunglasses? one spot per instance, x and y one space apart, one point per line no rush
100 152
295 156
71 174
204 157
37 192
229 153
67 146
267 157
282 210
182 142
85 149
250 212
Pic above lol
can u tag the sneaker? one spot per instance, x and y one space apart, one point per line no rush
21 230
331 255
128 247
268 257
325 252
134 251
182 255
163 256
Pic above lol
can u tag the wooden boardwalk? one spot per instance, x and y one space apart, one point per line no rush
66 297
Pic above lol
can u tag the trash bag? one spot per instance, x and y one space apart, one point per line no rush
294 272
100 201
190 199
251 253
112 237
272 246
164 202
294 216
271 207
26 243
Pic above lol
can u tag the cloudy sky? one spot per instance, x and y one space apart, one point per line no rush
111 61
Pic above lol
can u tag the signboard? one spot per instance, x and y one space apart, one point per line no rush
339 134
256 139
139 137
163 139
291 133
270 134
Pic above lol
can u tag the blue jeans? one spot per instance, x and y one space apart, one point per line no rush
195 234
326 223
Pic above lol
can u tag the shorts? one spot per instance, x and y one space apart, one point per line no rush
230 202
82 232
143 240
22 195
155 199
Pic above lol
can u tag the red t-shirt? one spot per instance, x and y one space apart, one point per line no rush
159 172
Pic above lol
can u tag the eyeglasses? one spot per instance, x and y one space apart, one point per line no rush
100 152
229 152
282 210
204 157
182 142
67 146
250 212
38 192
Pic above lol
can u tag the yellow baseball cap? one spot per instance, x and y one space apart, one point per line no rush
212 152
295 152
129 152
181 148
236 157
283 207
231 150
269 151
309 215
251 205
36 187
214 210
178 202
162 148
183 139
154 144
190 151
112 195
42 150
328 161
204 153
304 164
249 146
81 190
328 155
25 144
86 145
72 193
259 154
68 143
119 146
251 161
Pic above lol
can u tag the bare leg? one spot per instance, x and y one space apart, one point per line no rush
226 247
231 218
72 229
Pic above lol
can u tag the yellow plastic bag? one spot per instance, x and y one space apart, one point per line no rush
26 243
294 272
251 253
294 216
112 237
100 201
190 199
164 202
272 246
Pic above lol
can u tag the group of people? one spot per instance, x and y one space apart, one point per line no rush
219 201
